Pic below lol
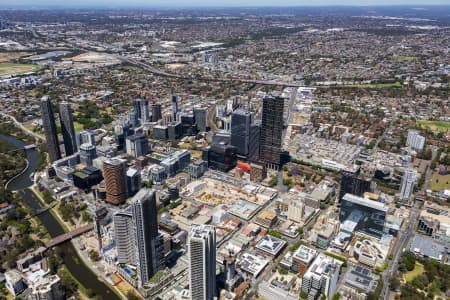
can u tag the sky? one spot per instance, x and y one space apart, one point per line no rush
209 3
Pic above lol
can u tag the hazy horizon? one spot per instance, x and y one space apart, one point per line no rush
218 3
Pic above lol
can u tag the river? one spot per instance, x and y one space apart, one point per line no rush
70 256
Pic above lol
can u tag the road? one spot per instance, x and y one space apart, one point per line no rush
20 125
156 71
398 250
381 137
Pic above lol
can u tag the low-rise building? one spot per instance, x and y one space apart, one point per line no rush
266 218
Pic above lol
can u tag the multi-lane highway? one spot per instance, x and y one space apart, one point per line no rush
159 72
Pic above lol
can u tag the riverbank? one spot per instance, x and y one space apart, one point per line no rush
52 222
20 174
13 161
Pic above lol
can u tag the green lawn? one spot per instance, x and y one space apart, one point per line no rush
17 69
375 85
402 58
78 126
435 125
439 182
418 269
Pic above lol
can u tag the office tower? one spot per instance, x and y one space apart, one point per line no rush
174 131
352 184
156 112
145 223
133 118
158 174
177 162
221 136
415 140
407 183
363 215
175 107
122 132
160 132
68 131
221 157
137 145
137 107
87 154
188 124
202 259
145 111
133 181
254 142
114 172
271 130
200 118
322 277
51 136
240 131
85 137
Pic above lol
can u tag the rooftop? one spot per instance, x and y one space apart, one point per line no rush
271 245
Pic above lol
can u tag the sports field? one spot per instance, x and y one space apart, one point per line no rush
16 69
435 125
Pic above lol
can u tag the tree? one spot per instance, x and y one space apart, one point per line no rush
303 295
395 283
336 296
132 296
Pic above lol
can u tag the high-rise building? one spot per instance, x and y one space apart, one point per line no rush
136 235
114 172
137 107
200 118
188 123
133 181
51 136
407 183
220 157
68 131
241 121
137 145
415 140
202 259
175 107
174 131
156 112
133 117
271 130
85 137
145 111
352 184
145 223
322 277
254 142
87 154
124 236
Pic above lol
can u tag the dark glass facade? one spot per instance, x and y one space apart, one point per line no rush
240 131
271 129
51 136
369 218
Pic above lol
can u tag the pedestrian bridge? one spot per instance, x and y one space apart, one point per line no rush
69 235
